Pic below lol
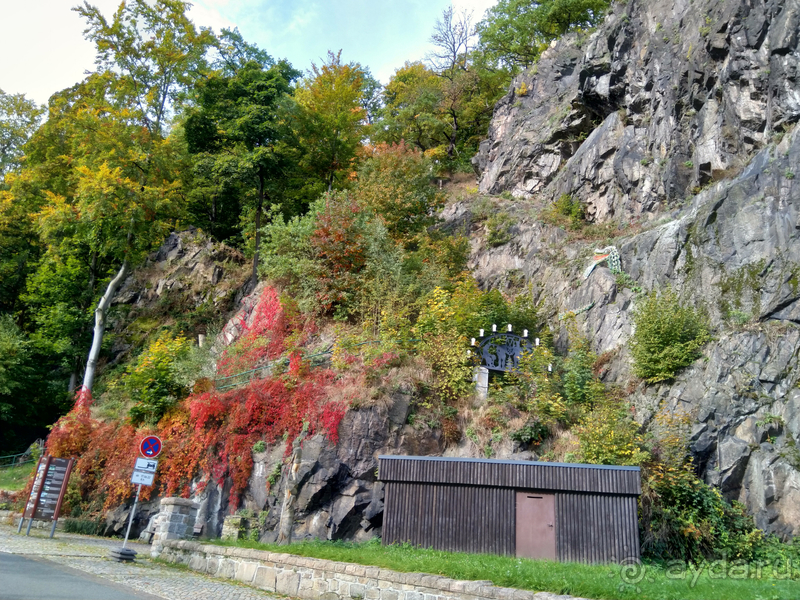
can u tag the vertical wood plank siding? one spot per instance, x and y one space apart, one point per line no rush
594 528
454 518
469 505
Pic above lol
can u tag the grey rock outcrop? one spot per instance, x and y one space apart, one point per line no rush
675 121
664 97
338 492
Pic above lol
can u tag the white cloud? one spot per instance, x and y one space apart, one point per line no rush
43 49
42 45
208 14
478 7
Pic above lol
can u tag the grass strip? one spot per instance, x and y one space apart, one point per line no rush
14 479
723 580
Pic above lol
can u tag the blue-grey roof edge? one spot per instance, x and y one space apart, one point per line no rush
495 461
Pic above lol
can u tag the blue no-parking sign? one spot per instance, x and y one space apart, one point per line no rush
150 446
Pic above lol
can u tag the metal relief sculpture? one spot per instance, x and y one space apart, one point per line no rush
502 351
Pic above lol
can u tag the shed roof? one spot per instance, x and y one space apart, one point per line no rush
568 477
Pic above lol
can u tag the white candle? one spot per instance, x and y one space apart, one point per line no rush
509 327
481 333
494 328
524 333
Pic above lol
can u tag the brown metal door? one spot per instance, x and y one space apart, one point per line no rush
536 525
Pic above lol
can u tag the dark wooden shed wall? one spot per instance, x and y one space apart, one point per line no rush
470 506
449 517
594 528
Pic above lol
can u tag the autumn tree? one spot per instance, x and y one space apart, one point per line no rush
156 51
443 108
101 190
100 181
329 120
395 184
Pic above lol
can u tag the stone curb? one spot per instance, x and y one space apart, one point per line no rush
320 579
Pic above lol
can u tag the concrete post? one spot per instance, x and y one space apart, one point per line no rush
481 379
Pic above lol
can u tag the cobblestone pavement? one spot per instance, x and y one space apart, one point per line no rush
89 554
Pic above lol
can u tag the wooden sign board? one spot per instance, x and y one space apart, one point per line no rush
49 487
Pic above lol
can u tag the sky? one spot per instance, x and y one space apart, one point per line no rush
43 50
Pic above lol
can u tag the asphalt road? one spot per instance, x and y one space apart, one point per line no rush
23 578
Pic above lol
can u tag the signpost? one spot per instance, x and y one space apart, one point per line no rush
144 472
47 493
150 446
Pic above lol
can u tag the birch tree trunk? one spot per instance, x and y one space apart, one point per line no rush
100 325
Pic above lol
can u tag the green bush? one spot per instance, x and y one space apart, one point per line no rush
531 433
668 336
83 526
498 229
572 208
152 381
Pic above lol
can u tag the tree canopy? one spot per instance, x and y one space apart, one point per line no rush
178 126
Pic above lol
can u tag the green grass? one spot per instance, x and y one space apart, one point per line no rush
14 479
659 582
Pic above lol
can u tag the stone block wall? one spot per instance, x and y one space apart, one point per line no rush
175 521
318 579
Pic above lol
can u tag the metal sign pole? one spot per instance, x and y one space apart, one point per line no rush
144 471
130 520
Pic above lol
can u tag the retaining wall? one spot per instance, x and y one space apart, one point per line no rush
318 579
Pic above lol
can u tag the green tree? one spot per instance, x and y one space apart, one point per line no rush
668 336
411 108
234 131
28 401
515 32
19 118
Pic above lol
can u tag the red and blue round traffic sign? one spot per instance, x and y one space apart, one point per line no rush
150 446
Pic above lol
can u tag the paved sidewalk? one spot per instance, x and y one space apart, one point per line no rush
89 554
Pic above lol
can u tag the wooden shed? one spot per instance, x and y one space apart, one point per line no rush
567 512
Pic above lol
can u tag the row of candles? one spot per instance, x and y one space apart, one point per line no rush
494 330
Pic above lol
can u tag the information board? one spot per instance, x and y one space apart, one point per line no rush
47 492
55 484
33 498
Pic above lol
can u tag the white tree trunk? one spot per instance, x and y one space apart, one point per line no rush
100 325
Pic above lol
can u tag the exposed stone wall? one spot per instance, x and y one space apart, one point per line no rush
317 579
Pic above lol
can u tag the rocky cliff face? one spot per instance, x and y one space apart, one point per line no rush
678 118
664 97
673 124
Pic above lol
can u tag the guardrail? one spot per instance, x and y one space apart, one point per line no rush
15 460
23 458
